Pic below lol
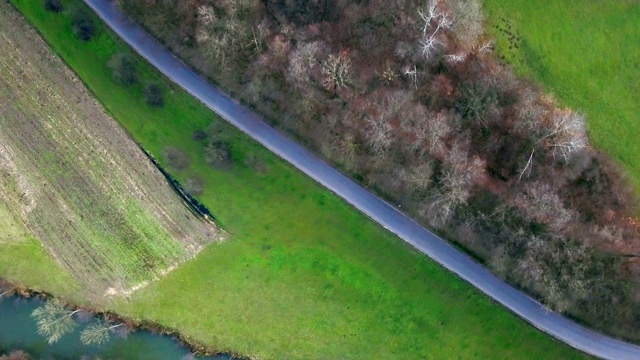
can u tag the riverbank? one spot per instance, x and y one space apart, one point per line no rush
304 275
139 341
8 289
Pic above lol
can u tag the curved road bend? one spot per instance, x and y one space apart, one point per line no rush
386 215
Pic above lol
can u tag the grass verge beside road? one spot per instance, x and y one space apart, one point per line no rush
587 54
303 275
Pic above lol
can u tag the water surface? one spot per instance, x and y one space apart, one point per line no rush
18 331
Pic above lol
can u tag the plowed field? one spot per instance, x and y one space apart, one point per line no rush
72 178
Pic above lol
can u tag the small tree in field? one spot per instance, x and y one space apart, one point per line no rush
175 158
218 154
83 25
54 320
53 5
194 186
123 68
153 95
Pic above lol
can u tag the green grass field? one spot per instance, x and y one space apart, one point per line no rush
587 53
303 275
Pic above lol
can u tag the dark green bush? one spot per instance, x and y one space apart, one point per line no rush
124 69
477 101
153 95
82 24
218 154
53 5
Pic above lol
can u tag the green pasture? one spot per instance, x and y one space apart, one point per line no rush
303 275
587 54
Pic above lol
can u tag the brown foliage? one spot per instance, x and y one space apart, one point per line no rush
16 355
175 158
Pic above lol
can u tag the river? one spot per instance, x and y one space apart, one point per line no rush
18 331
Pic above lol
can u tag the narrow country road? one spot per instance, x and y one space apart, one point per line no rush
386 215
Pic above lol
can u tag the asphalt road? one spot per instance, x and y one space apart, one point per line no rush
380 211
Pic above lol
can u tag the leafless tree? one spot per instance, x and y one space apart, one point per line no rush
431 13
455 58
8 291
429 45
54 320
418 177
457 181
337 71
468 24
531 113
486 47
258 34
98 334
302 60
216 47
411 72
526 170
403 50
342 148
455 191
433 21
175 158
397 102
206 15
431 130
379 133
568 135
557 269
542 203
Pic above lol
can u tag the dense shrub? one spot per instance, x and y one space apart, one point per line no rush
153 95
198 135
83 24
303 12
123 68
53 5
477 100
